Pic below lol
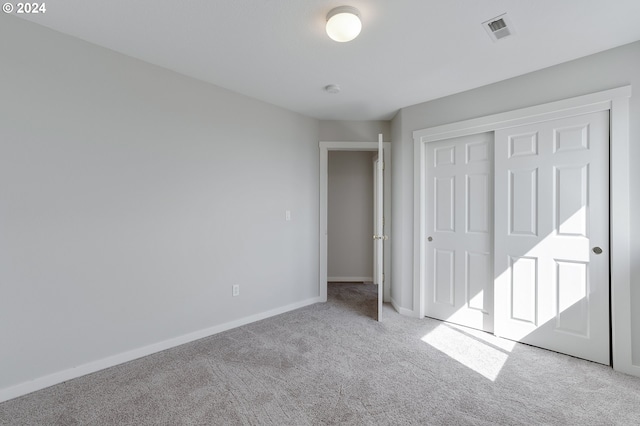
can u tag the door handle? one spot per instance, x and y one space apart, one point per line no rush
380 237
597 250
429 239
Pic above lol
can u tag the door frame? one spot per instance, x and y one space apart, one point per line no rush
325 147
616 101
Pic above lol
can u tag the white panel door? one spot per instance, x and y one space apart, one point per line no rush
459 224
551 235
379 236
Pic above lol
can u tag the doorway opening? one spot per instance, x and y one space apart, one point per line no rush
350 218
368 148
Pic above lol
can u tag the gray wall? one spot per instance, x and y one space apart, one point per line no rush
354 131
602 71
350 215
132 198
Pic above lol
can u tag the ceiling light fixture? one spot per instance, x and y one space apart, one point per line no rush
343 23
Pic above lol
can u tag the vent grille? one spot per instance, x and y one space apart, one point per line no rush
498 27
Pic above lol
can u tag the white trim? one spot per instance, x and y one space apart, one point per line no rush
351 146
620 241
615 100
350 279
374 243
91 367
403 311
325 147
419 209
565 108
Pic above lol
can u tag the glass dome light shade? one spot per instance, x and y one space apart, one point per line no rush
343 23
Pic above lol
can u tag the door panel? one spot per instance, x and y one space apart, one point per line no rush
479 266
379 236
444 271
573 301
445 204
460 223
571 189
523 289
523 195
551 201
477 197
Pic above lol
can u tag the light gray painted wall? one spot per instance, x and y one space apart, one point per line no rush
354 131
350 214
132 198
602 71
401 218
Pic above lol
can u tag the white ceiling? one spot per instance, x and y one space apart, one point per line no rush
409 51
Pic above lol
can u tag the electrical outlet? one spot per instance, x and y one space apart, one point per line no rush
235 290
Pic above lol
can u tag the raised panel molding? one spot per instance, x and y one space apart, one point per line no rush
572 295
523 145
476 152
477 214
523 289
444 156
523 202
571 189
478 267
444 276
575 138
444 216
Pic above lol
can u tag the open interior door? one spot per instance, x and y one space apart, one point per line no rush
379 236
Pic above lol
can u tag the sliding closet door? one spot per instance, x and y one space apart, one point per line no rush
552 235
459 225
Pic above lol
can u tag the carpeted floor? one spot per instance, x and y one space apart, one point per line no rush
333 364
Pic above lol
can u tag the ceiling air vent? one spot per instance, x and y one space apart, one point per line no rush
498 27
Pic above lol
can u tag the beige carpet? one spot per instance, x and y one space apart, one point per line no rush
333 364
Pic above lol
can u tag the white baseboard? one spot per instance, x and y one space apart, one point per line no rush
402 311
91 367
626 366
349 279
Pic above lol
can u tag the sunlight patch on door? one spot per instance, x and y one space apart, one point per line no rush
481 352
